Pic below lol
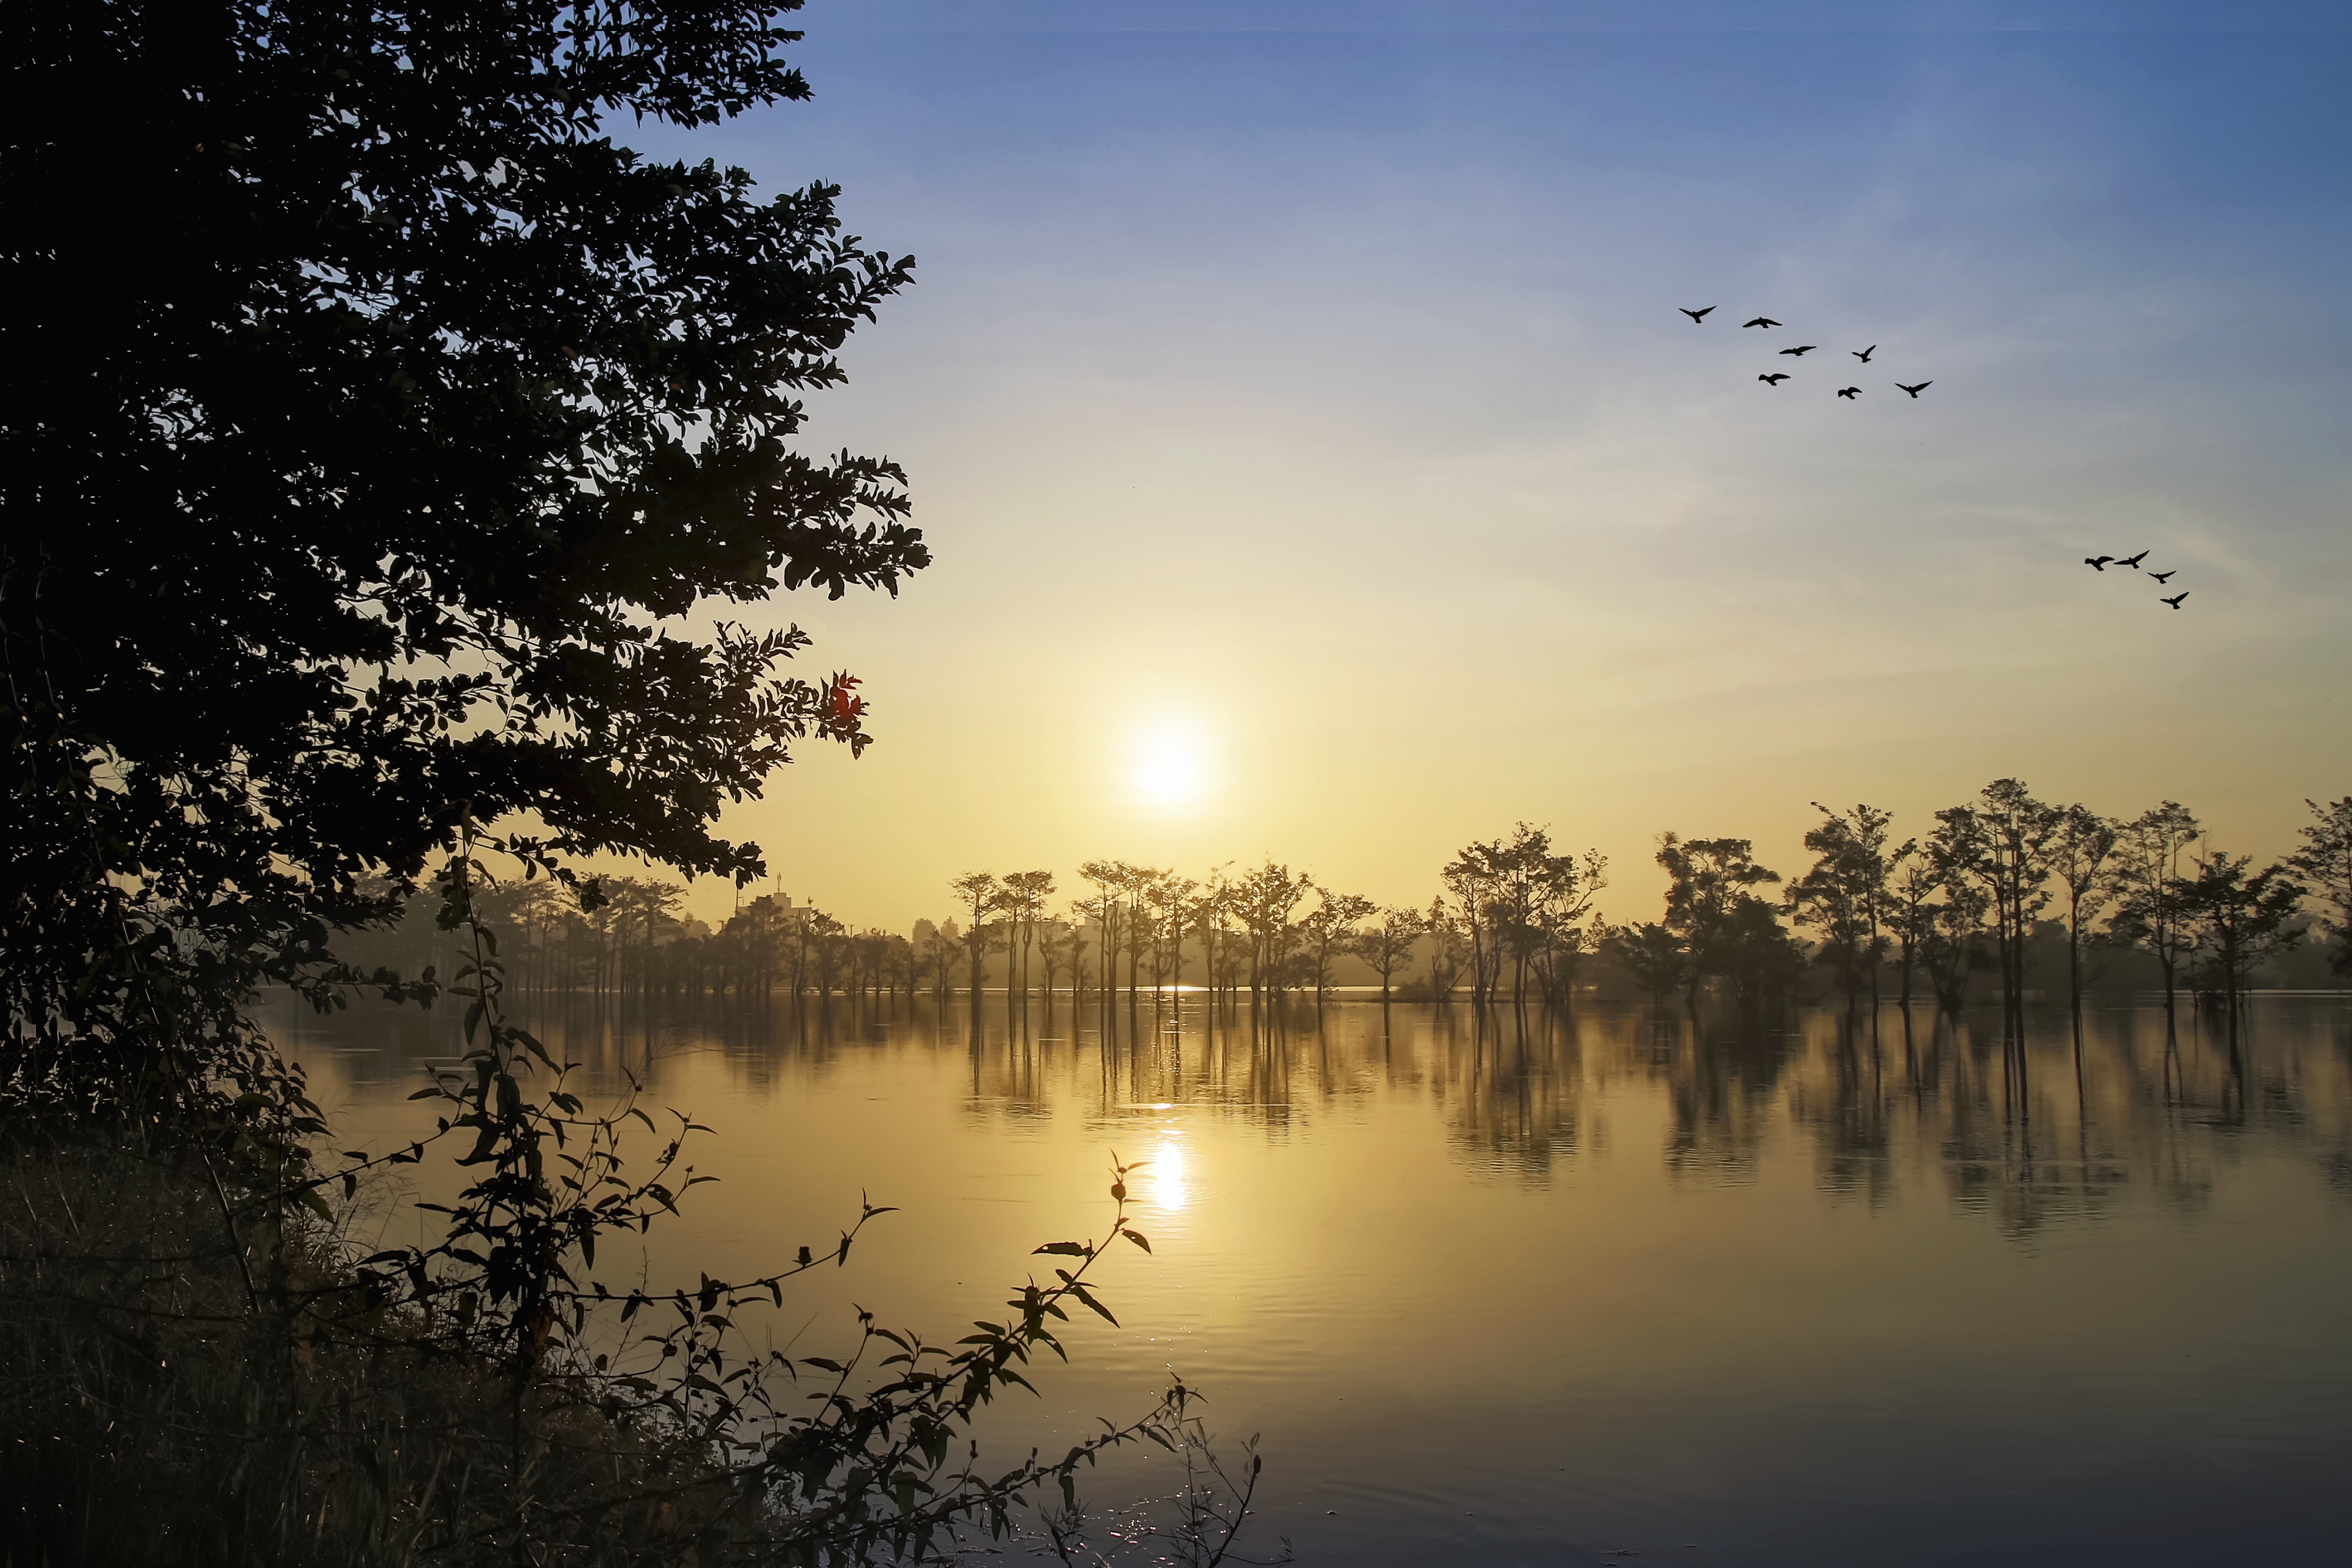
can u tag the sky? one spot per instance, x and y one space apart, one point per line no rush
1318 467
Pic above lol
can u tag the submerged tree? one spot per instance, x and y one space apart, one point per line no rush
1262 902
1388 943
1110 878
2079 862
1449 945
2326 859
1525 906
2003 841
1656 959
2241 917
1024 902
980 896
1843 895
1911 891
1330 930
1726 930
2148 912
1168 902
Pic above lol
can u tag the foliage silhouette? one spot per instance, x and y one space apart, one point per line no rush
1726 929
407 495
2326 859
1845 894
2240 917
447 416
2148 914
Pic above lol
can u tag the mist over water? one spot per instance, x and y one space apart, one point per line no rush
1510 1288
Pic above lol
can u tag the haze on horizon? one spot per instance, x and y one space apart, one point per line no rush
1317 465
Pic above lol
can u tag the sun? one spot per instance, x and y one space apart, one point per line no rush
1168 763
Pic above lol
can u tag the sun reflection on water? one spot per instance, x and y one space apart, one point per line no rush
1171 1186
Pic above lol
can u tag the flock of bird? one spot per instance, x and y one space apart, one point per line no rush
1775 378
2099 563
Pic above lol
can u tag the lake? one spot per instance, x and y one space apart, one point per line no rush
1509 1289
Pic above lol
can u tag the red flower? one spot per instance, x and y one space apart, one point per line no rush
845 704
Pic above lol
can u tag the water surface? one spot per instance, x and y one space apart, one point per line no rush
1518 1289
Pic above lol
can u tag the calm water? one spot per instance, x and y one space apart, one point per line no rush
1517 1291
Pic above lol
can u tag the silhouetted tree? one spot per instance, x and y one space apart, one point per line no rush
2240 919
1844 896
827 942
2148 867
1141 883
1540 900
1077 964
1708 907
1756 954
2004 841
1330 930
416 455
1262 900
1911 890
1167 900
2326 859
1448 944
940 951
980 896
1112 879
1209 917
1656 959
1952 948
1475 878
2079 857
1056 949
1024 902
1387 945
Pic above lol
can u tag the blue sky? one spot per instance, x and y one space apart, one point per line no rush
1299 388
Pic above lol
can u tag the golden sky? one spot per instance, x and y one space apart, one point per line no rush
1317 465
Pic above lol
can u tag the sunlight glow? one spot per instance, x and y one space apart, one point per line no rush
1168 763
1171 1187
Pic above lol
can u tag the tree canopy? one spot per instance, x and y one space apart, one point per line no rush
382 441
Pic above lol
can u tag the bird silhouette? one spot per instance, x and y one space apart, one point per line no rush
1761 321
2132 560
2160 576
2175 599
1774 379
1914 392
1802 350
1863 354
1849 391
2097 562
1696 314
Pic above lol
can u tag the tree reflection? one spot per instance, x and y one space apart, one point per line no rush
1880 1107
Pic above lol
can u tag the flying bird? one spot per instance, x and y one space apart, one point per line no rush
1849 391
1863 354
2160 576
1696 315
1761 321
2097 562
1914 392
2132 561
2175 599
1774 379
1802 350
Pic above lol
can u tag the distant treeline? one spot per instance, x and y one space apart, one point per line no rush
2005 893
